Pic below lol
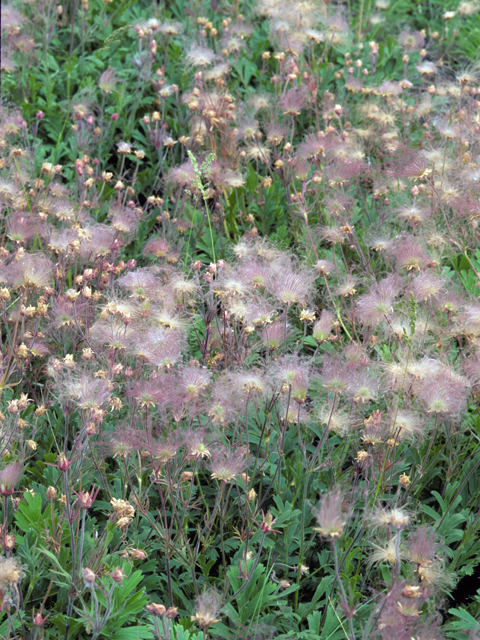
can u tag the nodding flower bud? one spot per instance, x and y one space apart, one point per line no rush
87 498
172 612
266 526
63 463
9 477
118 575
89 576
156 610
399 519
38 619
9 542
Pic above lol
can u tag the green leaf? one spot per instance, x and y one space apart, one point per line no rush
133 633
29 515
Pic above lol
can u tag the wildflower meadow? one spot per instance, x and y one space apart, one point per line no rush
240 320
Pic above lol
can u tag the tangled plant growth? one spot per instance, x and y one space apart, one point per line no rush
240 322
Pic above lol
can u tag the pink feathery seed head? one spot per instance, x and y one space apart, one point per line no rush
427 287
293 375
337 377
324 267
120 443
378 304
247 127
314 147
445 393
408 163
376 430
472 369
467 207
11 572
291 286
338 421
400 612
331 515
200 56
99 241
255 272
260 312
226 464
411 40
276 133
157 247
9 477
12 19
415 214
108 81
292 101
230 284
193 381
33 270
207 608
449 302
162 449
331 234
161 347
142 283
322 329
149 393
21 227
64 315
423 546
406 424
227 401
365 387
251 383
275 334
183 175
410 255
199 444
380 244
81 388
339 172
469 320
293 412
114 334
347 288
124 219
340 207
226 178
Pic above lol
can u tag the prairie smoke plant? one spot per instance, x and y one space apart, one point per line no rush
445 393
291 286
226 465
331 515
207 609
9 477
378 304
11 573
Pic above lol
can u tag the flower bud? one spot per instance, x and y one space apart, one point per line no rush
89 576
156 610
9 542
63 463
118 575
